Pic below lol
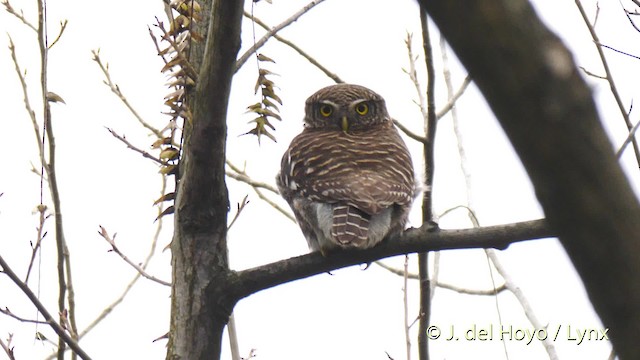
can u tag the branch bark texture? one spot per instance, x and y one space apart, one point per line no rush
200 309
533 86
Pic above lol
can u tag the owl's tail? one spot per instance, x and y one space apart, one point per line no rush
350 226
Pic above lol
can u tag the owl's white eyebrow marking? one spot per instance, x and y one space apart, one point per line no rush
328 102
357 101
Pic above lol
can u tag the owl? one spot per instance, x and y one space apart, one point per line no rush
348 177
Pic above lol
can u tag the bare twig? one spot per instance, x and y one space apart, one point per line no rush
465 291
409 133
258 44
116 90
135 148
233 338
592 74
274 205
114 248
405 303
40 234
295 47
19 15
109 309
27 103
517 292
612 85
628 14
241 175
49 319
453 98
413 76
241 206
8 312
458 289
63 26
8 349
630 138
70 315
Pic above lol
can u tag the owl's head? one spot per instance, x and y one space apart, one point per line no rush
345 107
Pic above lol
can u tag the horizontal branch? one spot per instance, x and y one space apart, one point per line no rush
414 240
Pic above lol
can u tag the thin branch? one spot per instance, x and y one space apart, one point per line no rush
612 85
20 16
152 249
630 138
295 47
274 205
50 168
241 175
465 291
40 234
8 312
27 103
458 289
116 90
517 292
114 248
63 26
7 347
241 206
134 148
453 98
258 44
413 76
71 295
409 133
405 305
430 123
49 319
592 74
628 14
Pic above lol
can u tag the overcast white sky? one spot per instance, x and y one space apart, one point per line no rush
352 314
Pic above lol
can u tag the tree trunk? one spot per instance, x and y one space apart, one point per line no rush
199 310
533 86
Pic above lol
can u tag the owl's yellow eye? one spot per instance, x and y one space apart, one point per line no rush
362 109
326 110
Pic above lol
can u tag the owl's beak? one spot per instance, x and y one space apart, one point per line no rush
345 124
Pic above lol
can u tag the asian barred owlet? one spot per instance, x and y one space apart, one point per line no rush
348 176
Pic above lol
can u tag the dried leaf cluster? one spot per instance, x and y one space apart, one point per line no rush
266 108
173 47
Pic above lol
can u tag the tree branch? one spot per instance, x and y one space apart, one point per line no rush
258 44
250 281
295 47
